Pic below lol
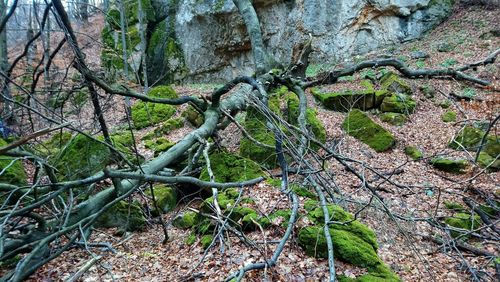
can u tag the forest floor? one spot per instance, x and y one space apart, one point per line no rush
142 256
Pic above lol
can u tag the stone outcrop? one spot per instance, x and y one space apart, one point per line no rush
207 40
215 43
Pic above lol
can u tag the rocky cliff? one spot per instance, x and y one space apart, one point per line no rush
215 45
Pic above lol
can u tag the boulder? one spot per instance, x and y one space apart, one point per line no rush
393 118
398 103
450 165
413 152
165 196
228 167
145 114
393 83
361 127
186 220
463 221
124 216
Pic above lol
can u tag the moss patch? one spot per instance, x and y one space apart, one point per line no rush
450 165
165 196
81 158
193 116
393 83
484 160
14 170
256 127
468 138
413 152
393 118
449 116
463 221
54 145
361 127
145 113
187 220
228 167
398 103
125 216
159 145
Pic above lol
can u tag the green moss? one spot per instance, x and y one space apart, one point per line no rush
165 57
228 167
393 118
206 241
159 145
361 127
398 103
193 116
123 215
165 196
484 160
82 157
284 214
224 201
54 145
340 217
206 226
347 246
191 239
146 114
12 171
312 120
392 82
445 104
262 155
413 152
345 100
468 138
492 146
450 165
187 220
164 128
302 191
449 116
310 205
454 206
463 221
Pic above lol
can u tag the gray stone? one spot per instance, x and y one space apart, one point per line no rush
216 45
419 55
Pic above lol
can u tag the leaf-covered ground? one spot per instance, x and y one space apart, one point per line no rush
421 189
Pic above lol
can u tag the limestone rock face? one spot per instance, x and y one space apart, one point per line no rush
215 43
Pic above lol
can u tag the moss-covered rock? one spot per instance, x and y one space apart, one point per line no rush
12 170
393 118
346 100
186 220
206 241
54 145
123 215
145 113
82 157
468 138
484 160
361 127
223 200
492 146
257 129
413 152
158 145
193 116
449 116
398 103
454 206
164 128
165 196
392 82
191 239
302 191
450 165
228 167
463 221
